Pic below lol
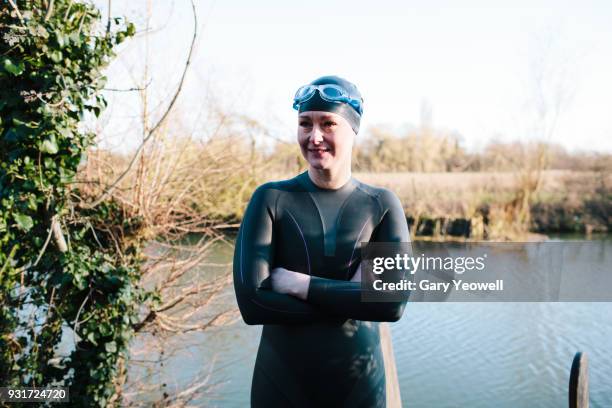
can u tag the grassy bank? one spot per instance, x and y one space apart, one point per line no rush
484 204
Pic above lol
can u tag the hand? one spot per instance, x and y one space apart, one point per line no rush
357 276
290 282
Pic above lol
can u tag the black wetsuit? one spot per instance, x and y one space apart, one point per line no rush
324 351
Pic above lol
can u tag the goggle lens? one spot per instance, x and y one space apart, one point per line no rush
332 92
304 93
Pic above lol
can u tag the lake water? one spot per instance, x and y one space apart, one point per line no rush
447 354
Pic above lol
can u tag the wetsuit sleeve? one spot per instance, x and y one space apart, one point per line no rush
253 254
343 298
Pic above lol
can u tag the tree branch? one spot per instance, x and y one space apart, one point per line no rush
159 123
49 10
12 3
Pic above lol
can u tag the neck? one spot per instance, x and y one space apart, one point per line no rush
330 178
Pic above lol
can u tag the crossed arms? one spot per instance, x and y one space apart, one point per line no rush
269 295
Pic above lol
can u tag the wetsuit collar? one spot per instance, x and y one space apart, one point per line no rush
309 185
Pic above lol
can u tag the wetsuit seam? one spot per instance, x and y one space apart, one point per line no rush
382 209
275 208
341 210
367 191
303 240
382 217
375 197
357 240
308 185
321 218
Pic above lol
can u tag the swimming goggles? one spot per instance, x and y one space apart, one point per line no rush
328 92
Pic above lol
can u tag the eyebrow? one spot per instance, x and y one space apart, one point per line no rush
322 117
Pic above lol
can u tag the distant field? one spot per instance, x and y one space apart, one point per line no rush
458 194
452 182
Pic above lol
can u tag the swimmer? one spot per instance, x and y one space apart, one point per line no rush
297 265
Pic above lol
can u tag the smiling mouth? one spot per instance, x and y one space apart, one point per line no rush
319 150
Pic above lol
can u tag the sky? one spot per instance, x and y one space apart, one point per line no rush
483 69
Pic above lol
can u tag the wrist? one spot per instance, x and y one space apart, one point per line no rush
303 287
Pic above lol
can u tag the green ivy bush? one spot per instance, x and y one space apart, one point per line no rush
65 270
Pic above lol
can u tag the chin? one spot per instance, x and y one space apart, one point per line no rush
320 164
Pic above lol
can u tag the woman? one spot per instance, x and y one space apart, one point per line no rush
297 265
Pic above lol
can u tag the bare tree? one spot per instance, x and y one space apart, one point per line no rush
551 84
163 184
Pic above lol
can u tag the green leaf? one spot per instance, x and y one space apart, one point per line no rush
105 329
24 222
56 56
131 29
92 338
75 38
10 66
61 41
66 175
32 205
49 163
111 347
66 132
49 145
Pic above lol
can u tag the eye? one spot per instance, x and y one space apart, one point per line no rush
329 123
305 123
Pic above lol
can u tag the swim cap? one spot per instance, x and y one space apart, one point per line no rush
316 103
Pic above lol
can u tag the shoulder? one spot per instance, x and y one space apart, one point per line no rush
386 198
272 189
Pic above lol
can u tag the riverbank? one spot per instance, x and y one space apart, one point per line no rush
199 186
483 205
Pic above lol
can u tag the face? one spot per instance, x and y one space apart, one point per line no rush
326 139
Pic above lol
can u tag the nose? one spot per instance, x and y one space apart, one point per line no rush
316 136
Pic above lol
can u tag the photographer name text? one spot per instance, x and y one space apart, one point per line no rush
426 285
